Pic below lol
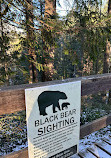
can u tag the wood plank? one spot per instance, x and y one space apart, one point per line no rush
98 152
86 154
96 83
12 98
12 101
105 147
95 125
18 154
107 140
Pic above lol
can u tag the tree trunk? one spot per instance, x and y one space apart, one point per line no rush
109 7
107 54
30 41
50 12
3 48
108 46
50 7
106 58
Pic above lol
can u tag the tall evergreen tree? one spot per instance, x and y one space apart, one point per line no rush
48 40
30 37
107 54
4 44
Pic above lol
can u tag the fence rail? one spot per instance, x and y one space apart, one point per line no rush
12 99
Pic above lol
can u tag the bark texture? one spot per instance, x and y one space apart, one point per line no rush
30 41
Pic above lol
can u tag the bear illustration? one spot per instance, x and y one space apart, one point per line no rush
65 105
48 98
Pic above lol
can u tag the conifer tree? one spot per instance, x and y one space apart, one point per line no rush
30 37
48 40
4 43
107 54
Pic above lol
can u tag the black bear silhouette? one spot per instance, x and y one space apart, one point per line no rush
48 98
65 105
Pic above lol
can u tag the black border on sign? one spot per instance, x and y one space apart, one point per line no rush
66 153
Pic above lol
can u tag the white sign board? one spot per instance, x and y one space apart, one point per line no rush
53 120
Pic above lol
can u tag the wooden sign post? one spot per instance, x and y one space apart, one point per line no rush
53 120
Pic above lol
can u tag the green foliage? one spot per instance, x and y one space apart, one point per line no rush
94 107
88 32
12 132
77 43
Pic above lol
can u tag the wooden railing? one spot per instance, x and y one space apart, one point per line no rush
12 99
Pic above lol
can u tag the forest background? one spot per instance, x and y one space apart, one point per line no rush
38 44
44 40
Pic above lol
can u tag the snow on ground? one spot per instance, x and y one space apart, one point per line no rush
84 143
13 133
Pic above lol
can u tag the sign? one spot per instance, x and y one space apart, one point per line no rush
53 120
